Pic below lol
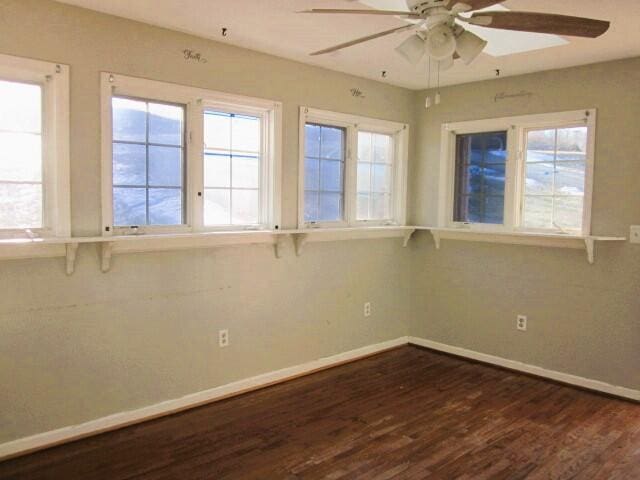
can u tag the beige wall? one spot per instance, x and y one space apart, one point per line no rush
81 347
583 319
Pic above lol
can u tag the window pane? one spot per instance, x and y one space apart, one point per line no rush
365 142
129 206
480 174
129 164
310 206
539 178
473 206
363 206
381 178
567 212
312 140
381 148
330 207
244 207
217 170
165 166
20 107
245 134
165 124
476 149
380 206
217 130
331 143
572 143
494 178
330 176
165 206
245 172
129 120
541 145
494 210
20 156
217 207
20 205
311 174
538 212
495 148
570 178
364 177
472 180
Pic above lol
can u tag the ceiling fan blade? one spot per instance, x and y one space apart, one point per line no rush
364 39
474 4
541 23
362 12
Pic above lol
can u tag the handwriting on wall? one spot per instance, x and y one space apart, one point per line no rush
357 93
193 56
505 95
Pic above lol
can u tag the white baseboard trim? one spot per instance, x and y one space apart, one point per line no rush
532 369
40 441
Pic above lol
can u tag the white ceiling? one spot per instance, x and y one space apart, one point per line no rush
274 27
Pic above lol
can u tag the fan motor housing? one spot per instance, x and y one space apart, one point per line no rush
422 6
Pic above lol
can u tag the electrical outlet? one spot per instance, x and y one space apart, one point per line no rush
367 309
635 234
223 338
521 323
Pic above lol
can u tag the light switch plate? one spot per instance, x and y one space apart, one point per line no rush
635 234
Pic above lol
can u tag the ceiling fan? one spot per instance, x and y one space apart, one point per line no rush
441 36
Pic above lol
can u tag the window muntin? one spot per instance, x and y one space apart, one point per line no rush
21 159
480 172
233 163
148 153
554 178
374 176
325 154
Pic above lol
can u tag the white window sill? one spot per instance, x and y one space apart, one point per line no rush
551 240
67 247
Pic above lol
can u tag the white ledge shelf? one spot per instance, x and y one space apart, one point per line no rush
109 246
551 240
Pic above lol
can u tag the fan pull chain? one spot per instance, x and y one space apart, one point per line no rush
438 87
427 103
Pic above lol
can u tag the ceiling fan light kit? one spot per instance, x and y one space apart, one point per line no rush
441 43
412 49
469 46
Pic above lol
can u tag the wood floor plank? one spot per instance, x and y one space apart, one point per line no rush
409 413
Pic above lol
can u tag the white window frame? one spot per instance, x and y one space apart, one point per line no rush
516 128
53 78
196 100
354 124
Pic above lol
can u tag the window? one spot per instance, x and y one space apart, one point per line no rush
352 170
34 162
231 168
181 159
148 162
480 176
375 176
554 178
325 156
529 173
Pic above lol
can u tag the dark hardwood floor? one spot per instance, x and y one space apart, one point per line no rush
404 414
